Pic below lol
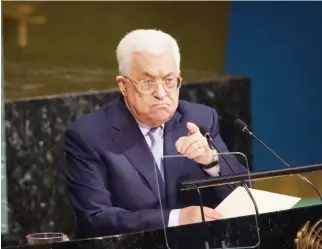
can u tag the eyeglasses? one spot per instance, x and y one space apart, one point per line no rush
149 86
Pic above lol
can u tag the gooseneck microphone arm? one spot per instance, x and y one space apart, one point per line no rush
209 139
241 126
213 145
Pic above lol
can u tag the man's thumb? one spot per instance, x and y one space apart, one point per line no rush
192 128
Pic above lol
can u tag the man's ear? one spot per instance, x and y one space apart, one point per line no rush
122 84
179 75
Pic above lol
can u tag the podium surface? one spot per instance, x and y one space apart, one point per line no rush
277 230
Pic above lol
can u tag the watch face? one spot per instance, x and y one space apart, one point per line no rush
215 154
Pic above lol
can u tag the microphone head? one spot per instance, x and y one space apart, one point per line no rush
240 125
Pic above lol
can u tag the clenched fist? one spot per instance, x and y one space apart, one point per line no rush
195 146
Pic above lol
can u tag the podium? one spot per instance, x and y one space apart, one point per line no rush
277 230
299 226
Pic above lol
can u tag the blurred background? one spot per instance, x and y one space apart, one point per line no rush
68 46
54 49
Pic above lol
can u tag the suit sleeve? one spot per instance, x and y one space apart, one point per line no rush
239 168
87 181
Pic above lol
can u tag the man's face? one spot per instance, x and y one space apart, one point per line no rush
156 108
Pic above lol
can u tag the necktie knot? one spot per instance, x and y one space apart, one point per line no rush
154 134
154 129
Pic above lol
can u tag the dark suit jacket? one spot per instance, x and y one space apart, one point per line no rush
111 176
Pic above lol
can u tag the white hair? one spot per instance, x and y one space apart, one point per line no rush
145 41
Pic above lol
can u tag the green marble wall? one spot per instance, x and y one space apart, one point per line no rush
4 206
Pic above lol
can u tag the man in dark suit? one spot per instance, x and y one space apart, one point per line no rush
117 179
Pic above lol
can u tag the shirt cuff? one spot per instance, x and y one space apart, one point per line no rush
174 218
213 171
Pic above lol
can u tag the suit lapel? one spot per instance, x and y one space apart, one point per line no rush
127 135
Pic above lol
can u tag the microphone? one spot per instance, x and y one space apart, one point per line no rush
241 126
212 145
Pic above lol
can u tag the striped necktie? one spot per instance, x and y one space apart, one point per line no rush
157 147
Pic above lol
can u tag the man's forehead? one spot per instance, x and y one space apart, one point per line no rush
148 73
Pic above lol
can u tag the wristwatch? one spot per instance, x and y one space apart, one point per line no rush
214 162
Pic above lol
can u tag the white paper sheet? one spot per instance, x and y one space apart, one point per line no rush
238 203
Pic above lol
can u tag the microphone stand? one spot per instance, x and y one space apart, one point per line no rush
213 145
240 125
